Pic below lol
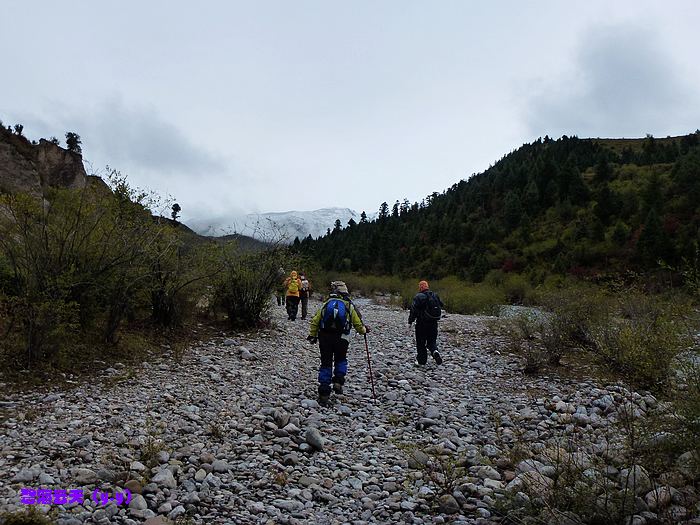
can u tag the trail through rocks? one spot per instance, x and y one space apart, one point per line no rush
232 432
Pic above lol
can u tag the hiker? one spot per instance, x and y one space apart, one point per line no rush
280 292
304 294
330 327
426 311
292 285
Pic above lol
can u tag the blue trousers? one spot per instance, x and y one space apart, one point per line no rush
334 361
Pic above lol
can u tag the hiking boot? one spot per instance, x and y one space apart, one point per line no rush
337 388
418 364
437 357
323 399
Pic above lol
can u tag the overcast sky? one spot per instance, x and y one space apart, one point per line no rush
278 105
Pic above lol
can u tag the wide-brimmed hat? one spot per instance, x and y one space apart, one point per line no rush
339 287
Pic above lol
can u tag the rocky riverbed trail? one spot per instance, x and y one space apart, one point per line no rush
230 432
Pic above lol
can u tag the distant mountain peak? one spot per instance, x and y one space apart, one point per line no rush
279 225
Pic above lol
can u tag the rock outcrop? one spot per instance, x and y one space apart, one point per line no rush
33 168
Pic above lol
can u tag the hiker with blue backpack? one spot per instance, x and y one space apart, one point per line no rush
330 327
426 312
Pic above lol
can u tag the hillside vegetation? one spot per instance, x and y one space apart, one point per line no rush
590 207
90 268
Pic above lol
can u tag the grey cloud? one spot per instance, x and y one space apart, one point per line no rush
622 83
150 150
133 136
141 138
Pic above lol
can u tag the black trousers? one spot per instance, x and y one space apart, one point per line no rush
292 306
426 339
334 361
304 306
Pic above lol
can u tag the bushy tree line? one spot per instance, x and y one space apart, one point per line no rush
81 265
577 206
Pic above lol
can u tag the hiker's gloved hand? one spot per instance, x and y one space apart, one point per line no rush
367 329
311 339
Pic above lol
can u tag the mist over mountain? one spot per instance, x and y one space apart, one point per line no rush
274 226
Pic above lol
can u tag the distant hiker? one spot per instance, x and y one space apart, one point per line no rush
292 285
330 327
304 294
280 292
426 311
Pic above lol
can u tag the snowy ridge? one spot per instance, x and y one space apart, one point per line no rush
274 226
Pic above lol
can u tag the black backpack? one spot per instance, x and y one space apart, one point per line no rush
432 309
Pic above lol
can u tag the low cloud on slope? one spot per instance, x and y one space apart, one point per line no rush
622 82
152 151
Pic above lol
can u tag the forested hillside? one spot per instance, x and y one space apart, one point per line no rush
567 206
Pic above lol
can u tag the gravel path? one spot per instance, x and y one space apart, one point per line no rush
232 432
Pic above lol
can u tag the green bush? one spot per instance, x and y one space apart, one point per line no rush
495 278
643 339
472 299
82 252
368 285
31 516
574 311
75 267
685 397
564 323
516 289
459 296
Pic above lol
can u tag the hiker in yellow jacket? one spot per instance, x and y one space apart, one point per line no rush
330 327
292 285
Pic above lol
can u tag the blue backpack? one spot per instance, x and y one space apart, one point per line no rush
336 316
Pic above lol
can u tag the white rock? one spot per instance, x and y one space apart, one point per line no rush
138 502
84 476
164 478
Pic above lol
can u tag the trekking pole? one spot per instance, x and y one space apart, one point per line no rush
369 364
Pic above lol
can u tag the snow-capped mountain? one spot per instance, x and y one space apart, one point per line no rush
277 225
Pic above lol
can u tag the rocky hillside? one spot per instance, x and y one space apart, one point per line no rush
230 432
32 168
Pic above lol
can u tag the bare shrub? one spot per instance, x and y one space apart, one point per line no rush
244 286
179 274
521 332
